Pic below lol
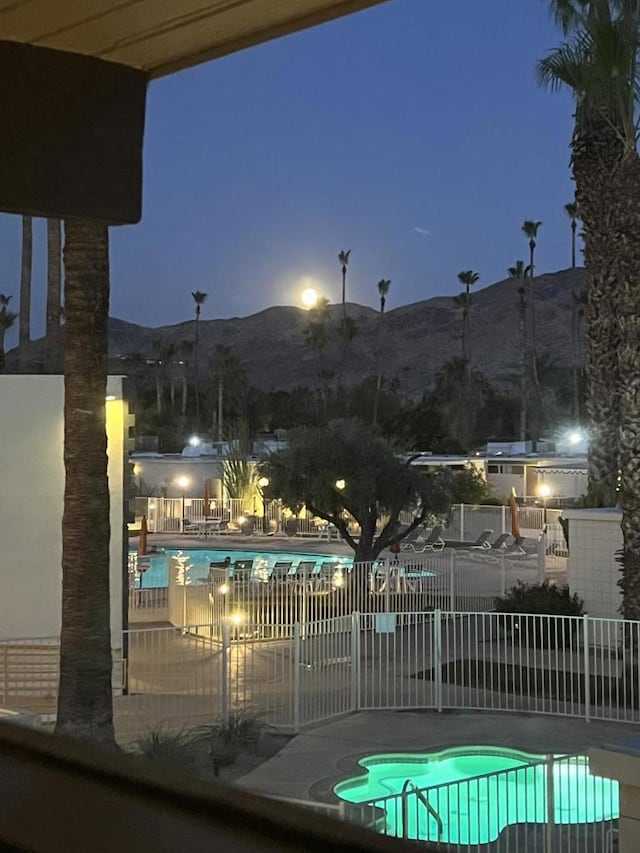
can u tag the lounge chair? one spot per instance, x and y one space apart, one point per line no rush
433 542
324 577
303 571
482 542
501 542
242 570
280 570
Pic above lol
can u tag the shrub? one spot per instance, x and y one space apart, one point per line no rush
227 737
542 599
173 747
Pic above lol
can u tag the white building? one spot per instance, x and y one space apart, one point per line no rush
32 466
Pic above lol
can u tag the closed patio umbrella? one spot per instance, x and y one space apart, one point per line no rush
142 540
206 509
515 525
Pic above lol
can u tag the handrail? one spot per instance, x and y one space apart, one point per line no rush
410 787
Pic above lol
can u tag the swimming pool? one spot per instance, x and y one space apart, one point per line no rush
200 558
469 795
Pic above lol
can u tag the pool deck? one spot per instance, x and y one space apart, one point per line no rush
238 542
314 761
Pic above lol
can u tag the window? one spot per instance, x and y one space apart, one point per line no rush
517 469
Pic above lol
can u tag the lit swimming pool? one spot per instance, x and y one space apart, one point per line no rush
469 795
199 560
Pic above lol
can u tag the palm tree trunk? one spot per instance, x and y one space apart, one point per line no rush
573 245
575 356
220 407
85 706
596 162
627 257
522 328
2 353
197 385
24 328
54 250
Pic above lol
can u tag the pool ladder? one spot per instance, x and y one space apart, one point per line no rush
409 788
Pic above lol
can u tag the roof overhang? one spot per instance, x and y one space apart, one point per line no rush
162 37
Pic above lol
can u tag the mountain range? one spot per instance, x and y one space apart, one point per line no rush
416 339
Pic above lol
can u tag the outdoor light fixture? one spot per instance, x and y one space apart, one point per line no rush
183 482
223 589
575 437
263 482
544 490
340 484
194 441
237 618
110 397
338 580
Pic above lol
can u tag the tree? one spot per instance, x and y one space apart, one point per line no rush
530 230
7 319
598 62
383 289
343 260
344 468
572 211
520 272
54 292
228 372
85 704
199 298
24 330
467 278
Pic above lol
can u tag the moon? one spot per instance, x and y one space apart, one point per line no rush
309 297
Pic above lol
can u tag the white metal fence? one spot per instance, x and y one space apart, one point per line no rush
551 805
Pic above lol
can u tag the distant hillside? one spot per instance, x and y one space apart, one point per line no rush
418 338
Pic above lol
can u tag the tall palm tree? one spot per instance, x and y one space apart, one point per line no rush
343 260
199 298
85 705
24 329
520 272
7 319
229 372
54 292
598 63
467 278
383 289
572 211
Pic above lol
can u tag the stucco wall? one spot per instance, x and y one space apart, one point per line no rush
594 538
32 490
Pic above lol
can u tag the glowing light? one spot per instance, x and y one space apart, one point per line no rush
237 618
194 441
110 397
183 482
575 437
241 519
338 580
341 484
263 482
309 297
223 589
544 490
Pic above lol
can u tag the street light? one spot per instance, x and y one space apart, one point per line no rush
341 484
263 482
183 482
544 490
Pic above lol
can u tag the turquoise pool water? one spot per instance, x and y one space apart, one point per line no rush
511 789
200 558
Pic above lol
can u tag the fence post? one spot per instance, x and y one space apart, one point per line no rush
503 573
504 518
224 676
542 557
355 661
452 581
586 667
297 663
548 835
462 522
437 656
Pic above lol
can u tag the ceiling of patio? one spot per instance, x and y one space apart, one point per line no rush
162 36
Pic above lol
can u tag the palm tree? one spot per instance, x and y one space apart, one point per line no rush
199 298
520 272
383 289
7 319
227 369
54 292
85 705
24 330
599 63
572 211
467 278
343 260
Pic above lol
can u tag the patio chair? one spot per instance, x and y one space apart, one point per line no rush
501 542
303 571
482 542
280 570
242 570
433 542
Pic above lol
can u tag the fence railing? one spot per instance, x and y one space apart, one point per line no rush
571 666
550 805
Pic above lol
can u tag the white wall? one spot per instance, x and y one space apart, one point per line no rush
594 538
161 473
31 495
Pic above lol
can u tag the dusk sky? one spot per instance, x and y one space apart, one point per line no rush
413 134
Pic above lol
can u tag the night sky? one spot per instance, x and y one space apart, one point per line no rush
413 134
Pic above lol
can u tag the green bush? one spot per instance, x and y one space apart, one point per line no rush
173 747
227 737
543 599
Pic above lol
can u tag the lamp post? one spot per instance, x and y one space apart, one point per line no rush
263 482
183 482
544 490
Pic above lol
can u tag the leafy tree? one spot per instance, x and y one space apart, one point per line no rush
470 487
345 468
